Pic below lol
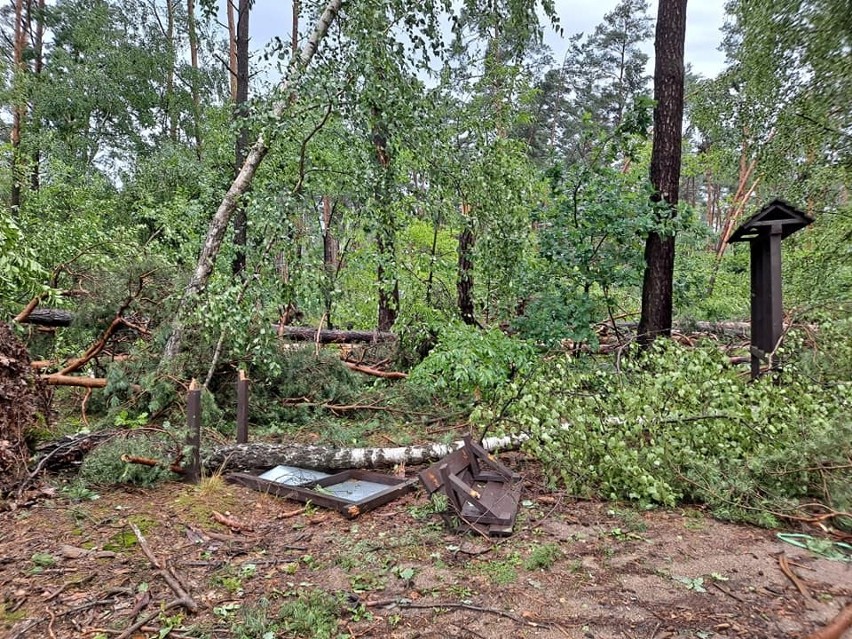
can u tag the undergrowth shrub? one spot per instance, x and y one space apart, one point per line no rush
677 424
104 465
468 362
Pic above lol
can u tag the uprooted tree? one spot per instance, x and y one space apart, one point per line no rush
20 405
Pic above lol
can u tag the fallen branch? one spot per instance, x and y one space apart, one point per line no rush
839 625
406 603
183 598
788 572
332 336
347 408
80 381
128 632
176 468
230 522
264 455
375 372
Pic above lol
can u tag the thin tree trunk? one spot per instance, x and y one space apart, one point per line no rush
657 286
171 103
18 108
330 256
294 33
432 259
464 282
388 282
232 49
38 66
241 114
219 223
193 85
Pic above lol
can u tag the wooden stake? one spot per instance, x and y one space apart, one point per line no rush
193 436
242 408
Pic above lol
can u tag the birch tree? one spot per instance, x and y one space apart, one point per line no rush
219 223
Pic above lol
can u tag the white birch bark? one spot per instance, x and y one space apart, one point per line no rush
263 455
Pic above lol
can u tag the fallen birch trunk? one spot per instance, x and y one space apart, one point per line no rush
262 455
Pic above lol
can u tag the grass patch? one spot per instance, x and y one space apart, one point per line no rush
543 557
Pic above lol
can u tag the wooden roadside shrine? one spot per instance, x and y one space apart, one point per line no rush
764 231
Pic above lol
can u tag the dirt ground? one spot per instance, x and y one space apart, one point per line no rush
73 568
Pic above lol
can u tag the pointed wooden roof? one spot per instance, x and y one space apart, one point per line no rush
777 211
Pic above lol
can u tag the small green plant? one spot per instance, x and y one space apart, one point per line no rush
543 557
230 581
438 503
43 560
502 572
311 614
406 573
365 582
77 491
255 622
696 584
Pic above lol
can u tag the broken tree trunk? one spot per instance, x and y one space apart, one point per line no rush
329 336
219 223
261 455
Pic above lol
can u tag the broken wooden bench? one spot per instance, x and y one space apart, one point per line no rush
483 492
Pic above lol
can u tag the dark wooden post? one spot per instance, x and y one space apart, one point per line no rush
764 232
242 408
193 436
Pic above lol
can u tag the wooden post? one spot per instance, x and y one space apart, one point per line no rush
242 408
193 435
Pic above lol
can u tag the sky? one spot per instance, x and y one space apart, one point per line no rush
705 18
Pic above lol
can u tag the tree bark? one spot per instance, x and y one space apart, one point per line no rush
241 114
47 317
38 66
193 85
464 283
657 286
232 49
219 223
330 258
261 455
294 29
18 107
171 103
385 235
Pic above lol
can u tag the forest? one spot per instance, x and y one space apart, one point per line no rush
403 223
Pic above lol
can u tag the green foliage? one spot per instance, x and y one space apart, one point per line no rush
299 371
311 614
22 277
542 557
680 424
468 362
104 465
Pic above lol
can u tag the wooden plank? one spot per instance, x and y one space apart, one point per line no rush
456 462
497 504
